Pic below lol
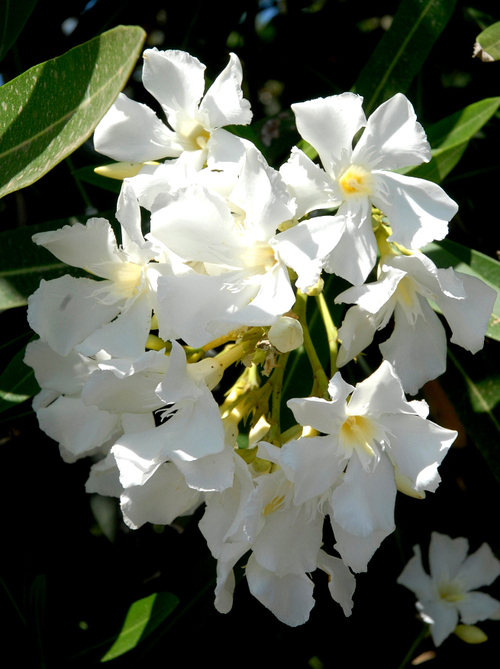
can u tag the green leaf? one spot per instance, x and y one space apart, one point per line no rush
88 175
441 164
17 383
474 390
143 617
403 49
39 126
462 125
13 16
450 254
487 45
23 264
449 138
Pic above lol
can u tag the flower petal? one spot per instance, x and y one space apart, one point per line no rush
329 125
224 102
418 210
392 138
175 78
131 132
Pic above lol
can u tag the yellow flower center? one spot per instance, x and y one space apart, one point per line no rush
450 592
192 135
358 432
356 180
127 277
273 505
259 256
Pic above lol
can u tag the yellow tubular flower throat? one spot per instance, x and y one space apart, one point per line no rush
356 181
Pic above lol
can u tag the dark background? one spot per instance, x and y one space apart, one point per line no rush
70 585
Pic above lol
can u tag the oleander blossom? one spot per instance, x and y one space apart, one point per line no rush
450 593
259 514
131 131
374 442
404 286
113 314
355 178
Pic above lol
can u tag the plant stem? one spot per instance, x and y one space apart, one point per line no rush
319 374
331 331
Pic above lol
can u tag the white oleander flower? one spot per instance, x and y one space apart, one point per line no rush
79 429
258 514
449 593
226 233
190 423
355 178
373 442
417 345
114 314
132 132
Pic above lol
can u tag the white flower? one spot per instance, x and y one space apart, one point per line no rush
228 234
373 442
190 428
132 132
449 593
285 539
417 345
80 430
357 178
112 315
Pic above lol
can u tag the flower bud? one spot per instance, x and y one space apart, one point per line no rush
286 335
470 634
121 170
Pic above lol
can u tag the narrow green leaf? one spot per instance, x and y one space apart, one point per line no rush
403 49
474 390
487 46
463 125
449 138
441 164
88 175
143 617
23 264
17 383
13 16
450 254
39 126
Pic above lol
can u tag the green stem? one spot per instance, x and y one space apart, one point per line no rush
331 331
319 374
423 633
276 382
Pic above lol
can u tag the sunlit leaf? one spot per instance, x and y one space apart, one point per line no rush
449 138
403 49
451 254
39 126
487 46
143 617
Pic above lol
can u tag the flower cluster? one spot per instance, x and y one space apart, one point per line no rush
131 362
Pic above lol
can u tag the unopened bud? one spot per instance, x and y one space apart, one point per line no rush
121 170
470 634
286 335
